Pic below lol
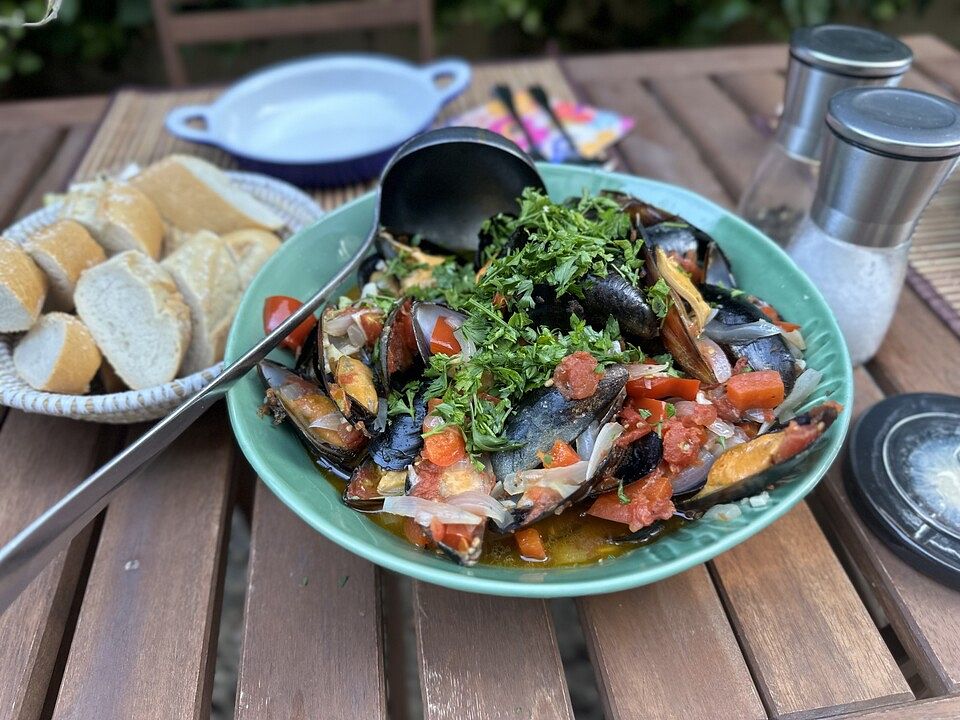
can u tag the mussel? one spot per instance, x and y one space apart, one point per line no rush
345 343
435 328
316 418
627 463
545 416
370 484
421 258
765 353
399 356
745 469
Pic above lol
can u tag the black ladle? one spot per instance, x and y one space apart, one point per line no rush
442 184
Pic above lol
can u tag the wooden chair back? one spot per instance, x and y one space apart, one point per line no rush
176 29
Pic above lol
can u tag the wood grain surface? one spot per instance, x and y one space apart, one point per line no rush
33 478
663 649
487 658
144 645
809 640
312 640
25 154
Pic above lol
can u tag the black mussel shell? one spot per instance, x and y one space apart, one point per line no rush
425 317
553 312
545 416
308 360
630 463
399 445
361 490
768 353
613 296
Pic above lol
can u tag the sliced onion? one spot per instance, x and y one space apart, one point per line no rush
607 436
795 339
693 476
714 356
481 504
562 479
639 370
804 386
424 511
742 333
755 414
587 439
338 324
356 335
721 428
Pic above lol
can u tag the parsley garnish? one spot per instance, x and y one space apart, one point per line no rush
401 403
659 297
671 410
621 495
644 413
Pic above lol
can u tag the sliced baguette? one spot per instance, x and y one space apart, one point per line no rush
251 249
63 251
23 288
57 355
194 195
137 317
207 277
118 215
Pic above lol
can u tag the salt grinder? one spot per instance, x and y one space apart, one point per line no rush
886 152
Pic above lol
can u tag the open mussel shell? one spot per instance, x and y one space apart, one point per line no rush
766 353
614 296
746 469
545 416
680 238
626 464
315 417
349 378
425 316
370 484
400 358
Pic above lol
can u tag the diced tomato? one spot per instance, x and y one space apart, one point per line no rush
429 477
372 324
633 434
649 501
576 376
718 396
445 447
560 455
693 413
760 389
530 544
442 340
786 326
414 533
663 387
629 417
363 482
458 537
278 308
656 408
681 444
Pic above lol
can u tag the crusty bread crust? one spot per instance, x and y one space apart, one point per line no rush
118 215
23 288
75 361
191 204
63 251
137 317
251 249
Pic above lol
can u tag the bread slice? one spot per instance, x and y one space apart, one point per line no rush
57 355
63 251
137 316
117 214
251 249
23 288
194 195
207 277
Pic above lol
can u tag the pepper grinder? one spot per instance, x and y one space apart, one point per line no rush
886 153
823 61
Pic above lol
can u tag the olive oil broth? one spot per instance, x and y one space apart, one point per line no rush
571 539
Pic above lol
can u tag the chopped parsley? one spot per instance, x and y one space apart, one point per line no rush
621 495
659 297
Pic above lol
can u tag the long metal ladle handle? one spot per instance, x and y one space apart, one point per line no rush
22 559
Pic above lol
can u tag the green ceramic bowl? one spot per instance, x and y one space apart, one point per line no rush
308 259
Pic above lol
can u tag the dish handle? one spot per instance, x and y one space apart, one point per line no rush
177 123
457 70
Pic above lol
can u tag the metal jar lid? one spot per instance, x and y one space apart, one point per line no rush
849 50
823 61
885 155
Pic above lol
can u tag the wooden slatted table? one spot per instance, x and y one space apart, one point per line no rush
811 618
